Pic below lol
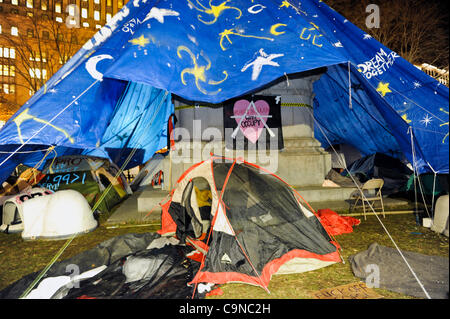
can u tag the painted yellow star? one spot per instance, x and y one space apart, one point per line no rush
383 88
141 41
285 3
405 118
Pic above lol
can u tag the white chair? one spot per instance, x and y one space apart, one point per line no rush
369 192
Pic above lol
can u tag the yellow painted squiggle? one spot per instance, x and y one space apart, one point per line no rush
214 11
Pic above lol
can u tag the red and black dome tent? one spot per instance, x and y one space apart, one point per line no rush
257 224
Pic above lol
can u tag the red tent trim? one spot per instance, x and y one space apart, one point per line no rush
271 268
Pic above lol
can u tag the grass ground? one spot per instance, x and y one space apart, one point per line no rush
19 257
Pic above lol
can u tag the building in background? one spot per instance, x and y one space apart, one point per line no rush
38 36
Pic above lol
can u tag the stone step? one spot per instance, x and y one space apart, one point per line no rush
324 194
143 206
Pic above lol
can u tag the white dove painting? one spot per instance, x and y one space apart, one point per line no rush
159 14
260 61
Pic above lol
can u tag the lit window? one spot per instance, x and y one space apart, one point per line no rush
7 53
108 17
96 15
15 2
119 4
0 27
37 57
12 70
6 88
43 5
38 73
84 13
72 9
29 3
85 24
109 3
59 19
14 31
4 70
58 7
97 1
98 26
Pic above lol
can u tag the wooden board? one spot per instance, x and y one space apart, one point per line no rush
356 290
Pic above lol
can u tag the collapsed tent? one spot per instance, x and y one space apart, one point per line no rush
89 175
254 226
393 274
368 97
127 266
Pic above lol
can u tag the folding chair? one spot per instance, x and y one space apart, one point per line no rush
370 192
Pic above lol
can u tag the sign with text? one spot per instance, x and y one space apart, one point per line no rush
253 120
356 290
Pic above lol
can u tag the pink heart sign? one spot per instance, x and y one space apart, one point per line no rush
253 122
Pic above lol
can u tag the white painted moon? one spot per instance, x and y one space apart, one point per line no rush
91 65
257 8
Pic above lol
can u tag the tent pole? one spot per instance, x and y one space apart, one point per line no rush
170 170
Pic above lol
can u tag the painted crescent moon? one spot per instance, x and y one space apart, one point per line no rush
257 8
273 29
91 65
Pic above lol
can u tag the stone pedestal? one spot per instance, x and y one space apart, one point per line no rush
302 161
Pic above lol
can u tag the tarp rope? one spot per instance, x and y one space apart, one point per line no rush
434 188
48 123
417 177
69 241
374 212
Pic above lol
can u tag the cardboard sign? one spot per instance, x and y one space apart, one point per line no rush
356 290
247 119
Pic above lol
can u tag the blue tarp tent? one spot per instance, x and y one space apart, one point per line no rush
114 94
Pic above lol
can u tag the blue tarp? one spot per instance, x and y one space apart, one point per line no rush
212 51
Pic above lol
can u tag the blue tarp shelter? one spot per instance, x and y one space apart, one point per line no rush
113 98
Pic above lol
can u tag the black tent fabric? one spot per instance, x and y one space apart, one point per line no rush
394 275
265 217
167 275
169 269
394 173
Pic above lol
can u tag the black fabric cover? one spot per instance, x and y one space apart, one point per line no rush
267 221
171 271
106 253
183 221
395 275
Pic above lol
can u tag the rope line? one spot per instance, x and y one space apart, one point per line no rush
374 212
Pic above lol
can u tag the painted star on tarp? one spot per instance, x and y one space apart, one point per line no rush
383 88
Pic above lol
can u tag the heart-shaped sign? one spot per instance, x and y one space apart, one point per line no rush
254 120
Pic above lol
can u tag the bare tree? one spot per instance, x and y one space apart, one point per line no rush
42 46
417 30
